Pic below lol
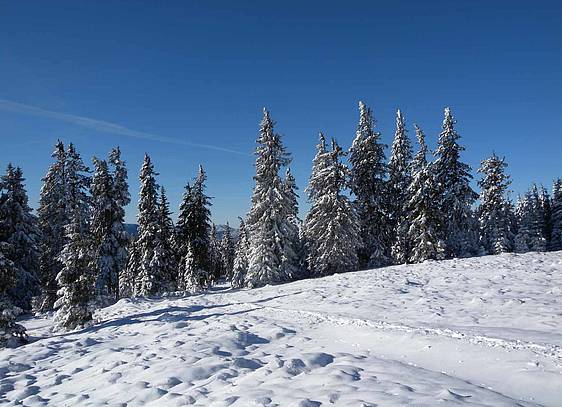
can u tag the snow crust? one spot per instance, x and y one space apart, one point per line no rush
481 332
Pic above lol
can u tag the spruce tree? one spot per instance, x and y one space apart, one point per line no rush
19 229
399 179
11 333
164 259
216 269
128 276
227 251
423 215
523 217
546 214
183 225
76 278
105 244
556 236
456 196
494 212
530 235
368 173
148 280
331 228
290 256
241 260
121 198
53 217
267 225
191 278
193 232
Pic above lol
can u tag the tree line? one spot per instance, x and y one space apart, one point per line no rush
75 255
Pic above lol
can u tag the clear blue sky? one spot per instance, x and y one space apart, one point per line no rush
176 78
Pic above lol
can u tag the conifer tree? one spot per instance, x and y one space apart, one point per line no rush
11 333
368 173
148 280
193 232
19 229
494 212
456 196
164 259
227 251
399 179
423 215
184 223
121 198
290 256
191 278
331 228
530 235
241 261
105 244
53 217
556 237
267 225
76 278
216 269
128 276
546 214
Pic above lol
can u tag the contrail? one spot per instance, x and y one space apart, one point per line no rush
103 126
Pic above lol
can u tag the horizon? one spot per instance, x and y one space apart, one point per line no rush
182 91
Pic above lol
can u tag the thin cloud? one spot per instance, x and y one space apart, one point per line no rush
103 126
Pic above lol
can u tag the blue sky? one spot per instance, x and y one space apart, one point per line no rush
186 82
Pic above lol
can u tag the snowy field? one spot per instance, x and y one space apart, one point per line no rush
472 332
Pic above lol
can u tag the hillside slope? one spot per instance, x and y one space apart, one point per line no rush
483 331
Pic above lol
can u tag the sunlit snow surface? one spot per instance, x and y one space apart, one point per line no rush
485 331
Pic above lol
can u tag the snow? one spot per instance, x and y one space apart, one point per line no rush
480 331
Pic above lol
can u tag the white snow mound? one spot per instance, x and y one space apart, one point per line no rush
481 332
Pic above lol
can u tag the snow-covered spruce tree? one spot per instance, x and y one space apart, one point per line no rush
227 251
11 333
546 213
240 266
267 225
456 196
164 258
193 232
556 206
530 235
368 172
331 228
105 243
52 217
19 229
128 276
399 179
183 225
76 278
292 255
523 215
192 278
217 269
494 212
121 198
148 277
423 215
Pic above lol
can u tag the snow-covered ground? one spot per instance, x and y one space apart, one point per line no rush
485 331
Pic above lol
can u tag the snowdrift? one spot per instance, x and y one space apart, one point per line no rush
484 332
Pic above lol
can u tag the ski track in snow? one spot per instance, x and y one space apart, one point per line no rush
554 351
474 332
